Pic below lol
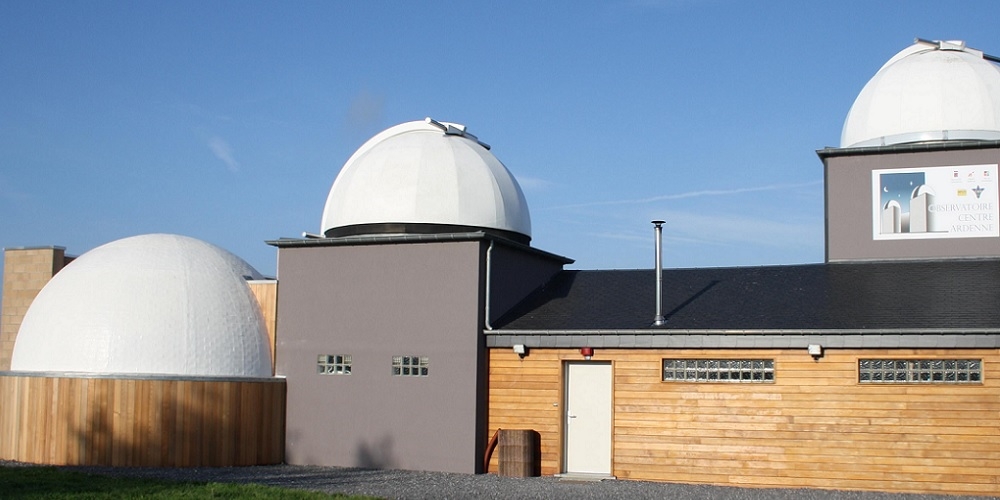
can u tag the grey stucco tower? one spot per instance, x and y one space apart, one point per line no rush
380 320
915 176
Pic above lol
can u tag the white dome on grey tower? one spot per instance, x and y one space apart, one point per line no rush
930 91
425 177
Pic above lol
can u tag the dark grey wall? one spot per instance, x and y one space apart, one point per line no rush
516 274
849 208
374 302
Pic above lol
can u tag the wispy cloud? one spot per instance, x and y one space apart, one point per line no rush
9 193
220 148
734 228
694 194
726 229
642 238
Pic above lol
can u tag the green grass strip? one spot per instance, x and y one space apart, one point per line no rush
51 483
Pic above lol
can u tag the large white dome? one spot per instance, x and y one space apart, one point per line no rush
151 304
425 176
930 91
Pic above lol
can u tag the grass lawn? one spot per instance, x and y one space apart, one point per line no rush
51 483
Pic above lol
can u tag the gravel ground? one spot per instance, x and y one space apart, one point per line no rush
419 485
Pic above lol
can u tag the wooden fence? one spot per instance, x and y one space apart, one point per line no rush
65 420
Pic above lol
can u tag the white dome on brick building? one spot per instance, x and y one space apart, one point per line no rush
425 177
153 304
930 91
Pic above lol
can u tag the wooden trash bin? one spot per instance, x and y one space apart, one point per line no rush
520 453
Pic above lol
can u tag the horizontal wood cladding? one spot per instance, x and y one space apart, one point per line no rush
525 394
141 422
815 426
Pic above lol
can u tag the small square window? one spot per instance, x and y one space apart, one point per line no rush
333 364
409 366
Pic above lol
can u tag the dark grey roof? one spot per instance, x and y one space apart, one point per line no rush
917 296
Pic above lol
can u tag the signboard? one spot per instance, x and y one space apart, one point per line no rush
935 202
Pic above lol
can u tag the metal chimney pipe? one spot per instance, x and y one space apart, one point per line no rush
658 228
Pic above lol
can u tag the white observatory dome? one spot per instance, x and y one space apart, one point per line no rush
152 304
425 177
930 91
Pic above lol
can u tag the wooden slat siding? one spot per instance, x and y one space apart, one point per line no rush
247 407
274 428
6 433
522 395
815 426
267 414
57 441
84 420
165 424
22 445
212 423
9 421
189 401
196 403
266 293
141 422
182 424
117 418
227 423
41 420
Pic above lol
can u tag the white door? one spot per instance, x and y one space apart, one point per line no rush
588 418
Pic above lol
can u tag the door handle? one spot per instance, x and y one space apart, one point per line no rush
571 416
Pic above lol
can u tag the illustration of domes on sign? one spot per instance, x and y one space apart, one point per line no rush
425 177
929 91
156 304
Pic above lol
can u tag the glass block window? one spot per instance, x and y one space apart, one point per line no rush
718 370
409 366
333 364
920 371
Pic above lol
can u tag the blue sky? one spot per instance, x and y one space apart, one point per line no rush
228 121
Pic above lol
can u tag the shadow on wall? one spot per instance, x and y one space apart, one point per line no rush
378 455
141 422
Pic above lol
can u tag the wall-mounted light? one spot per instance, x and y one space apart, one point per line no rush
520 350
816 351
587 352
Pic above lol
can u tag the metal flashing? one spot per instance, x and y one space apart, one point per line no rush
393 239
40 247
913 147
759 340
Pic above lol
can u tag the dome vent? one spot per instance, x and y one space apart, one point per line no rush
153 304
930 91
425 177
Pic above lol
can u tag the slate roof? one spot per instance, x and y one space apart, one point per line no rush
942 295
